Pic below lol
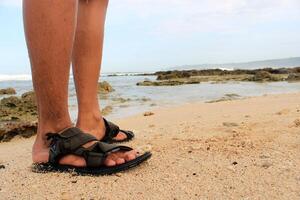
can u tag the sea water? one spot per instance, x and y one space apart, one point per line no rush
129 99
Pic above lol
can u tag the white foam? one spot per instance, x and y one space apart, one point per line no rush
15 77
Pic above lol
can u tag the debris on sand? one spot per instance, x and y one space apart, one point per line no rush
148 113
230 124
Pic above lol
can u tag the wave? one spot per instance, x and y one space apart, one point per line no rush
16 77
27 77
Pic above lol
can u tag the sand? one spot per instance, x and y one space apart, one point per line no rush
241 149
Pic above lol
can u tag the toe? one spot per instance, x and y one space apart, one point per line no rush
120 161
131 155
110 162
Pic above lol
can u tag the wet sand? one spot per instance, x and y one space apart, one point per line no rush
241 149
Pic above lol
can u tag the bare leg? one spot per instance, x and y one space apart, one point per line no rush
87 58
50 29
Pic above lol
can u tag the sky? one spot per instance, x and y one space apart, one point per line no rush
149 35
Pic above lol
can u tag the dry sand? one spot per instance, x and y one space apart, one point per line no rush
242 149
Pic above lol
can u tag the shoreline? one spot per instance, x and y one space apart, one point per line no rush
246 148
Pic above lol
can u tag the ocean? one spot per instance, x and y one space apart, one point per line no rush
129 99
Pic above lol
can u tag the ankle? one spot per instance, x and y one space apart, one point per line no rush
91 122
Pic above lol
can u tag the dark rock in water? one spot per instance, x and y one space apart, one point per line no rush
104 87
7 91
293 77
173 75
18 116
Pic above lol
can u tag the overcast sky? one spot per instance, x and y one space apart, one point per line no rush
146 35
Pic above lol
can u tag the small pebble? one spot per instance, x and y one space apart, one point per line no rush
148 113
2 167
234 163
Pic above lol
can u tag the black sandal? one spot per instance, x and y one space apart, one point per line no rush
70 141
112 130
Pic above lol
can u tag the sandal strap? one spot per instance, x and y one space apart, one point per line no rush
97 153
111 130
67 142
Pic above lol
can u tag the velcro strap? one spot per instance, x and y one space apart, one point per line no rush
73 138
94 159
67 142
110 148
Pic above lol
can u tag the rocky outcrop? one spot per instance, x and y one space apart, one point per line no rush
293 77
262 76
8 130
18 116
104 87
7 91
173 75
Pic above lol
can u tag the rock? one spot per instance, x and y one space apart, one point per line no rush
18 116
148 113
173 75
121 99
104 87
293 77
7 91
8 130
106 110
262 76
2 166
10 102
230 124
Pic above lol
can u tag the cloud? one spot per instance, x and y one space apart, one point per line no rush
183 17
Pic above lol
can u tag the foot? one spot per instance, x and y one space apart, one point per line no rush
95 124
40 154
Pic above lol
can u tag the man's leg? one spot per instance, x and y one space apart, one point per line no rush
87 56
49 28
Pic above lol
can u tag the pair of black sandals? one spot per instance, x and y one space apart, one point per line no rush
71 141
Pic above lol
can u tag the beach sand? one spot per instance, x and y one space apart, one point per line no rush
241 149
